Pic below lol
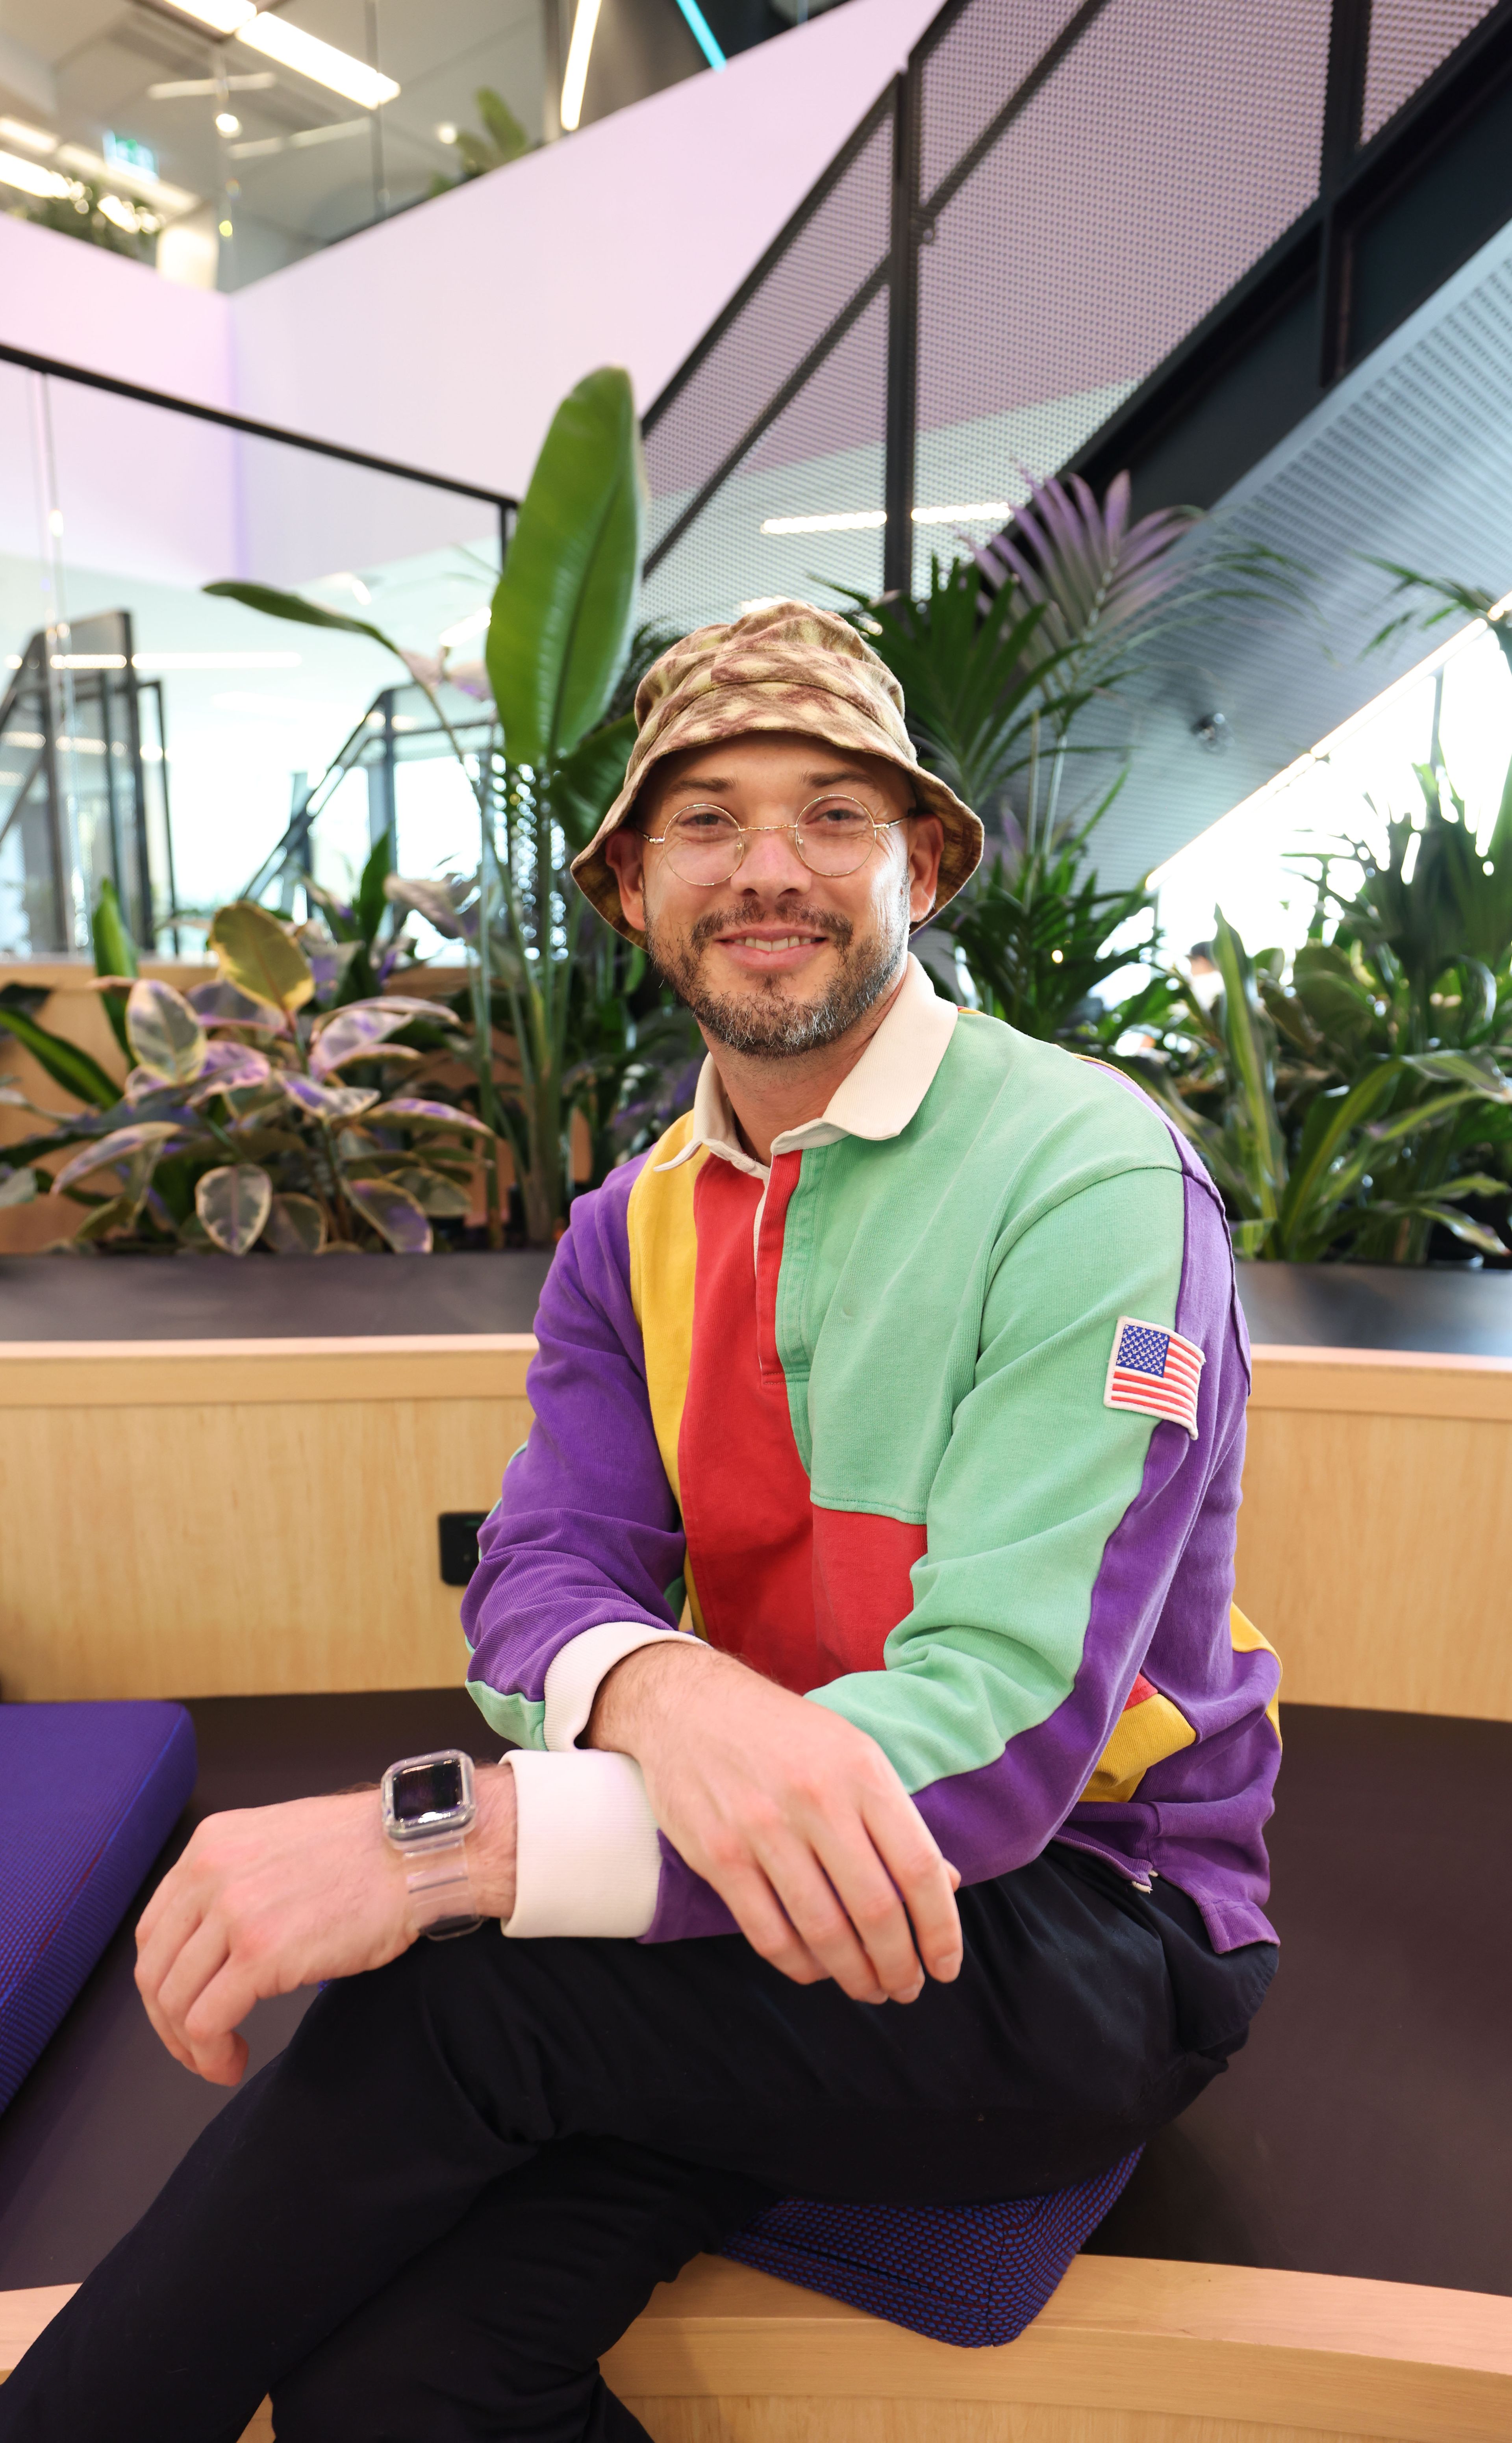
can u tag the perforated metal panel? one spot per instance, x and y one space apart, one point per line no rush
1092 180
1409 40
822 303
1168 150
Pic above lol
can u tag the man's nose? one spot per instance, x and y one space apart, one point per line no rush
771 861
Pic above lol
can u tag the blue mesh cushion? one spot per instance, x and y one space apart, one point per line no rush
974 2275
88 1794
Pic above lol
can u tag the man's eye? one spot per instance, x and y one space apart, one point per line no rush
700 821
836 819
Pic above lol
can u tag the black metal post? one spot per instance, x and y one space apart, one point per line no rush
147 918
901 424
1349 46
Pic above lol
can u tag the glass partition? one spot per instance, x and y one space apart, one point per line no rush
159 737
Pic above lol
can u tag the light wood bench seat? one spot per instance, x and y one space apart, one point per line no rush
1129 2350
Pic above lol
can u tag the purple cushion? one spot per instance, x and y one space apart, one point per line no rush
974 2275
88 1794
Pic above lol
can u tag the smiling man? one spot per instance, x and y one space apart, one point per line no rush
859 1606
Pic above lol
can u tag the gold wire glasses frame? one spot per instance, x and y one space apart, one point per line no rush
705 845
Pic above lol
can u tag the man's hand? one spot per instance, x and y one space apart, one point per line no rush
796 1818
271 1898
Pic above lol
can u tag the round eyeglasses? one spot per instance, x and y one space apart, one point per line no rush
833 835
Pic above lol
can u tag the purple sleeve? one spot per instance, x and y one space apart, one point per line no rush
585 1529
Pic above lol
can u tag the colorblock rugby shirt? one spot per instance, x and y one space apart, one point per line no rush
853 1419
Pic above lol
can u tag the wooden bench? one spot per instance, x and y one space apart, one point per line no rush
1128 2351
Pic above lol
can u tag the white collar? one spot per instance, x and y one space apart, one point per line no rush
877 1100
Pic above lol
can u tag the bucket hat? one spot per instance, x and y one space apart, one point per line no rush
783 667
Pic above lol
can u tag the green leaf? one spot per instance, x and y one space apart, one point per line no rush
279 605
115 950
563 609
78 1072
255 953
233 1203
587 784
371 904
165 1035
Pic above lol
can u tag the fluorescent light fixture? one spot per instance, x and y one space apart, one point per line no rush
580 50
200 88
832 522
28 738
320 61
221 16
88 661
965 514
32 178
476 624
101 172
697 24
256 146
32 139
159 662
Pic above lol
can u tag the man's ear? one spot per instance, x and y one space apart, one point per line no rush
926 846
624 854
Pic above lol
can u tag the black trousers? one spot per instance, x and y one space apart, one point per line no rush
463 2178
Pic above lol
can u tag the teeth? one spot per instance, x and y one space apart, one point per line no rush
789 942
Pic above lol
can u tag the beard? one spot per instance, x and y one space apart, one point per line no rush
764 1020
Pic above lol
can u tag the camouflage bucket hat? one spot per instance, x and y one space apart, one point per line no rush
785 667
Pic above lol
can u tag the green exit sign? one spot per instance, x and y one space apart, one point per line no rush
124 152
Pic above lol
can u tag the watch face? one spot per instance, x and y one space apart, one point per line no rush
427 1793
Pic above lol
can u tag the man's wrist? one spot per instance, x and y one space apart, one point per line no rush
637 1694
491 1844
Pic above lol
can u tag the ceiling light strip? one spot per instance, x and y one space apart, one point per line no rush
580 50
697 24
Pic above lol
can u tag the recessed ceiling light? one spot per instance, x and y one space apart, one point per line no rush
224 228
831 522
228 123
445 134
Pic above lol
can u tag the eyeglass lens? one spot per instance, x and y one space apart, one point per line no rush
833 835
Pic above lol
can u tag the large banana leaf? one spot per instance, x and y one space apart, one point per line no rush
564 611
280 605
77 1071
585 786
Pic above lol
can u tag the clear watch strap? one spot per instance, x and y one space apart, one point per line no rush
440 1888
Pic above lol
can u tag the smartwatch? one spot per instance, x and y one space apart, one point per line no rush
429 1809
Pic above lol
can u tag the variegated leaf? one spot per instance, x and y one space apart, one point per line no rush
259 956
123 1145
415 1111
354 1035
164 1032
445 1199
223 1004
229 1066
295 1226
326 1102
233 1203
16 1187
393 1214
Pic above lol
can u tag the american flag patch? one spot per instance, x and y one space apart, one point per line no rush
1156 1373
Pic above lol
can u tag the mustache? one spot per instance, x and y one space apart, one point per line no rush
838 929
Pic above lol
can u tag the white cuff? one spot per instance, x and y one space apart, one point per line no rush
586 1855
574 1675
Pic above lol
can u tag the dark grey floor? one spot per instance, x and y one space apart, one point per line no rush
264 1298
1366 2128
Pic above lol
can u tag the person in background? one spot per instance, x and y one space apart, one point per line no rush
884 1820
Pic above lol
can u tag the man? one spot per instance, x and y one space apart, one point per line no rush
861 1607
